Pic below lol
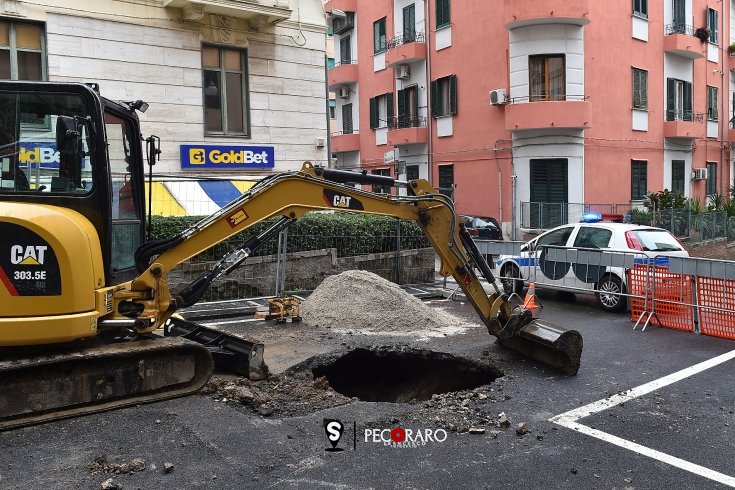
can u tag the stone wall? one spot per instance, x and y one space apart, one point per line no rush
304 272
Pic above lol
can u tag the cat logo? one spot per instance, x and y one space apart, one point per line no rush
237 217
335 200
29 255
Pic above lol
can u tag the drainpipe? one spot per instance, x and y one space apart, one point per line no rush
329 120
723 117
500 176
429 119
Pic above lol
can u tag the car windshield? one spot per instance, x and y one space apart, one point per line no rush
657 240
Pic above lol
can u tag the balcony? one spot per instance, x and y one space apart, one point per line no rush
405 49
679 40
571 112
345 142
407 130
257 12
685 124
343 73
526 13
343 5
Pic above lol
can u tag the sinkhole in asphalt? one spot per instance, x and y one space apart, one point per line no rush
402 375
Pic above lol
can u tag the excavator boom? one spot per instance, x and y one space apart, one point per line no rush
291 195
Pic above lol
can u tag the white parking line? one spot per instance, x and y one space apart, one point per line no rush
569 419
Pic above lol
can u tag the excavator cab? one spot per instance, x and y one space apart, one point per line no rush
64 145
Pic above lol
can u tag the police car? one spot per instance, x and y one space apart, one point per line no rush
567 258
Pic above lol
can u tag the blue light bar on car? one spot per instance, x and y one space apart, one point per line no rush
591 217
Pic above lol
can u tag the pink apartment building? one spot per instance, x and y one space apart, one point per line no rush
531 111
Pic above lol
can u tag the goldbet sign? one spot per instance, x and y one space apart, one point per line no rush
228 157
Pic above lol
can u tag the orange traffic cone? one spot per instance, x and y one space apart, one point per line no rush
529 302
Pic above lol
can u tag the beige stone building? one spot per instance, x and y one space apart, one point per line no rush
225 73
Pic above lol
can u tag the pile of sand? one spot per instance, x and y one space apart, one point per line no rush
362 302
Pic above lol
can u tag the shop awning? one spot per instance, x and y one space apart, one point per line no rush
194 198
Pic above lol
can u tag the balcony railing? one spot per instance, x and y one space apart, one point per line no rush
688 116
343 62
407 37
679 29
407 121
547 98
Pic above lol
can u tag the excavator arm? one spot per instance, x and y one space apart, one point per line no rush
150 302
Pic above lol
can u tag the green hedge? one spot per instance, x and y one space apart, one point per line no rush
350 234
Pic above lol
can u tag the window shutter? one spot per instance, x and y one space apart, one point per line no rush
373 113
347 119
670 99
636 89
434 98
688 98
389 107
644 89
452 94
402 110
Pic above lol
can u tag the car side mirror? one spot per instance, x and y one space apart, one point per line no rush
68 136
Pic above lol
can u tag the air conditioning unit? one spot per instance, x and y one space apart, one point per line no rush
699 174
498 97
403 72
344 92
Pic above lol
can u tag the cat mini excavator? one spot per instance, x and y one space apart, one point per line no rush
81 291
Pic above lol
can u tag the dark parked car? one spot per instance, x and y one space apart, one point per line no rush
482 228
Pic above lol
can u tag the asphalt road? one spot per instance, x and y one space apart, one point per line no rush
675 433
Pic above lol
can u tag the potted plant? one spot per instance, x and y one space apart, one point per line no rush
702 33
731 49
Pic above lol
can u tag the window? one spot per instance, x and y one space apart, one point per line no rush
712 25
381 189
712 103
347 119
345 51
677 176
711 178
444 96
446 180
412 172
225 91
409 23
442 13
590 237
679 16
640 8
556 238
408 107
343 24
330 63
22 54
332 108
379 39
381 111
638 179
678 100
640 89
546 73
21 143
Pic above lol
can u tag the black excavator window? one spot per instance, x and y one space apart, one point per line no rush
29 157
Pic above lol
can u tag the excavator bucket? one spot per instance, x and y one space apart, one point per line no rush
516 328
40 388
548 343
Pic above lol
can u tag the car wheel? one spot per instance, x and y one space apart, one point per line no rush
610 293
508 272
